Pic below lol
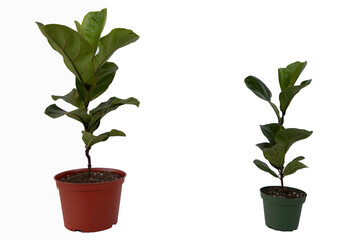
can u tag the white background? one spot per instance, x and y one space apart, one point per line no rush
190 145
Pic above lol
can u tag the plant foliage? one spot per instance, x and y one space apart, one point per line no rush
86 55
279 138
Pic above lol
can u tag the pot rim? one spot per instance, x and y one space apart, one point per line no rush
58 176
270 197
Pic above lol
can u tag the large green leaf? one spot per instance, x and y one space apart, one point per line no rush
80 115
54 111
105 107
112 104
258 88
72 97
104 78
90 139
92 26
289 136
76 51
108 44
289 75
275 155
269 131
294 165
263 166
288 94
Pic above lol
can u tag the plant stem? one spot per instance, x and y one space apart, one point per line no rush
281 120
88 160
281 177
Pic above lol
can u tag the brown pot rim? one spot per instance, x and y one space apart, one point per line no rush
59 183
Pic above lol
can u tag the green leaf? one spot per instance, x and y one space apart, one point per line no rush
93 125
284 78
295 69
80 115
104 78
112 104
72 97
116 39
275 155
81 90
269 131
258 88
75 49
289 136
288 94
276 110
105 107
115 132
263 166
78 26
289 75
294 165
264 145
90 140
54 111
92 26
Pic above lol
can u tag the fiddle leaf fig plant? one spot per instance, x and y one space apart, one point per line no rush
279 138
86 55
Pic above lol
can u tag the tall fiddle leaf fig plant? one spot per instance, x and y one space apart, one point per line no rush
280 138
86 55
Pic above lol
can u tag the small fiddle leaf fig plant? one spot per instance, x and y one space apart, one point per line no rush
279 138
86 55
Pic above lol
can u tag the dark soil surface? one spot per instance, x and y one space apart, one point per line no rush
95 177
284 192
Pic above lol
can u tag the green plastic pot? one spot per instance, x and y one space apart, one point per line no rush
280 213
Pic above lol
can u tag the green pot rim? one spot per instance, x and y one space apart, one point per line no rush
283 201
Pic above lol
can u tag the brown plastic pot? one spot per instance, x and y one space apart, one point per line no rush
90 207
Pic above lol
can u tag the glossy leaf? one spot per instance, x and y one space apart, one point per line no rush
80 115
89 139
264 145
72 97
289 136
105 107
92 26
289 75
81 90
112 104
263 166
288 94
93 125
108 44
275 155
258 88
75 49
54 111
276 110
295 69
104 78
284 78
294 165
269 131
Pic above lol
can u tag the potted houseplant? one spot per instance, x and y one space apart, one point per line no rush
282 205
90 197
